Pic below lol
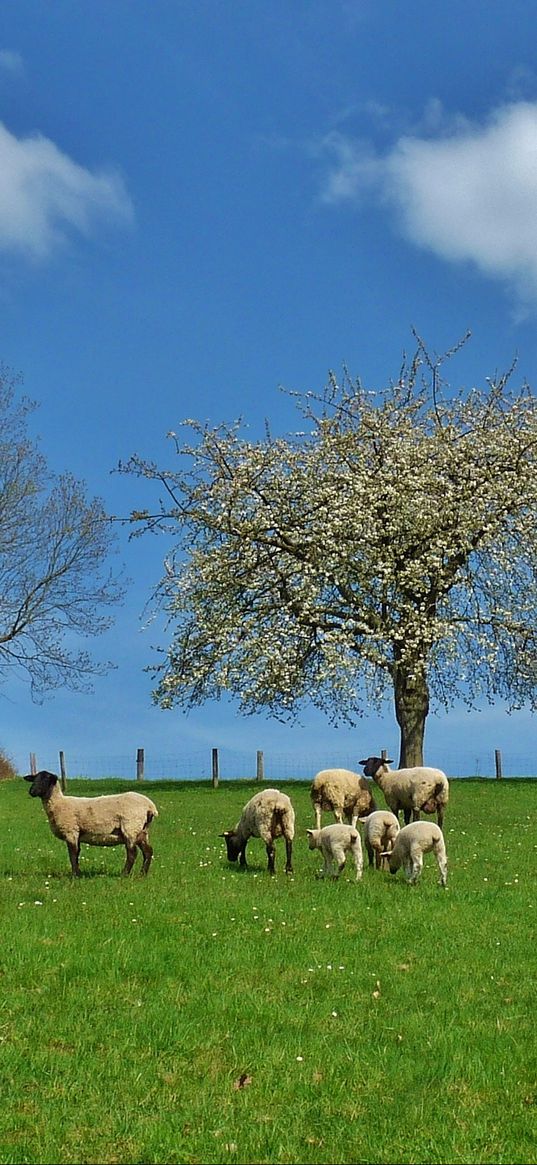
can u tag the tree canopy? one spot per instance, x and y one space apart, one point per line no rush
389 548
55 585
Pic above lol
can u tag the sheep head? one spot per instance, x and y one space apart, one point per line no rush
372 764
233 844
42 784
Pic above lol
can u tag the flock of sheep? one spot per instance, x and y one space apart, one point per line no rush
125 818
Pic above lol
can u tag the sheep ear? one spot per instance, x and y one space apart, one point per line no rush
310 831
385 853
362 762
226 833
30 777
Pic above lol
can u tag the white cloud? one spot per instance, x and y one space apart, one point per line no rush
466 192
44 196
11 62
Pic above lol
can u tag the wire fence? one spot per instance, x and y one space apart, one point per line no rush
234 764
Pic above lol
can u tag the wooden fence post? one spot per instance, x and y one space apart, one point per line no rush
214 764
140 764
63 778
259 766
498 763
383 753
33 764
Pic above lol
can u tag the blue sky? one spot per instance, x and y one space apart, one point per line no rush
201 202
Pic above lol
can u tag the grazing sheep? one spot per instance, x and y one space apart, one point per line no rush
380 831
413 790
411 843
343 793
335 842
268 815
116 819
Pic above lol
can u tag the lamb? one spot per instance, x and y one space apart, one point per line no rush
412 790
343 793
268 815
116 819
380 831
411 843
335 843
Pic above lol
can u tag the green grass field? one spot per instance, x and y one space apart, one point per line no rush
208 1014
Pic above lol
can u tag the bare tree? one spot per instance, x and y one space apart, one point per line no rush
391 548
54 545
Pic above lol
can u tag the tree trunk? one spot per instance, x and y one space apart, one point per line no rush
411 696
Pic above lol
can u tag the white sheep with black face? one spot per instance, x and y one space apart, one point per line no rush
411 843
114 819
268 815
335 843
412 790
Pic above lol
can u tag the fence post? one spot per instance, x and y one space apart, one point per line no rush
62 771
383 753
140 764
33 764
215 767
498 763
260 766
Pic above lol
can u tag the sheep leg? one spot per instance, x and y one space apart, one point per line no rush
442 866
370 854
415 867
270 855
142 841
440 816
415 815
73 849
130 859
288 856
242 856
317 816
406 815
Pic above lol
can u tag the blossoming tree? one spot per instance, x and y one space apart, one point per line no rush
389 549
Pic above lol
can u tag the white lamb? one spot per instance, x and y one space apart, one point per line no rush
115 819
268 815
343 793
411 843
380 831
335 843
415 790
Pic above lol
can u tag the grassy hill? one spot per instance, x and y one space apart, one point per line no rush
208 1014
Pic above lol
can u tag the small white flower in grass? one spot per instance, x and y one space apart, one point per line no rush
334 1013
37 902
300 1059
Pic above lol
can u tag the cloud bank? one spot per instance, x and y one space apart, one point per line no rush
467 192
45 196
